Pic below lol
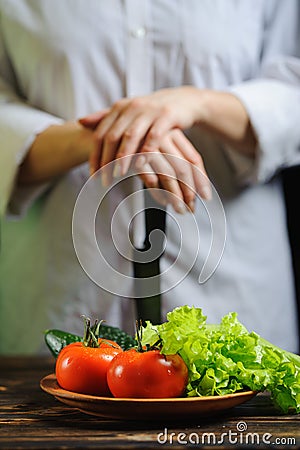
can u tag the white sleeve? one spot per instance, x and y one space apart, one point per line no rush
273 100
19 125
274 110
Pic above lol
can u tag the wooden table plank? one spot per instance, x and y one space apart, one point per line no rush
31 418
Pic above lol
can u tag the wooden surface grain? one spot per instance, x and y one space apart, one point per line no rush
33 419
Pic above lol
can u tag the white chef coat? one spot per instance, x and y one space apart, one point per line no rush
62 59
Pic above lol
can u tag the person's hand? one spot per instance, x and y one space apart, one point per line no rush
176 169
149 125
141 125
138 124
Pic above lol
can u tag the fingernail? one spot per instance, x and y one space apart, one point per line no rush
180 208
147 168
206 193
104 180
191 206
124 165
117 170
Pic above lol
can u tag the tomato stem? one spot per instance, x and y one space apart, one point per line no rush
91 333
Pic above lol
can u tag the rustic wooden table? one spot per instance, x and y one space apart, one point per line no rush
31 418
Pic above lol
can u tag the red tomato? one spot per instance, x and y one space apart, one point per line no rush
147 374
83 369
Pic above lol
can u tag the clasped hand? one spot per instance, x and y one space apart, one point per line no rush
151 126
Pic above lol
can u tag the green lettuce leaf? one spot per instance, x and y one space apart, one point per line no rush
225 358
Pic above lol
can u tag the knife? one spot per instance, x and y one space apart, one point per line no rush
149 307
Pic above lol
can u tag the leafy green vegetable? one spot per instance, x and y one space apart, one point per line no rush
225 358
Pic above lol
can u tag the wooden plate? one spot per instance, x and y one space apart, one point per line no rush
144 409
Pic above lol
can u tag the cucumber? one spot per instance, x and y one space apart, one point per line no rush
56 340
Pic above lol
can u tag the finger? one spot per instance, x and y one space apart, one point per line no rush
129 126
92 120
105 172
109 152
99 134
183 170
96 155
201 179
146 172
109 118
132 140
185 177
150 179
168 181
202 183
161 126
159 196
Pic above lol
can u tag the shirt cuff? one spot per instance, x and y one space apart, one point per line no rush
19 126
274 111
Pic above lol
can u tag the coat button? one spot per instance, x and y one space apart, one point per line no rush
139 32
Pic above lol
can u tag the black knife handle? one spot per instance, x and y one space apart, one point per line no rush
149 308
